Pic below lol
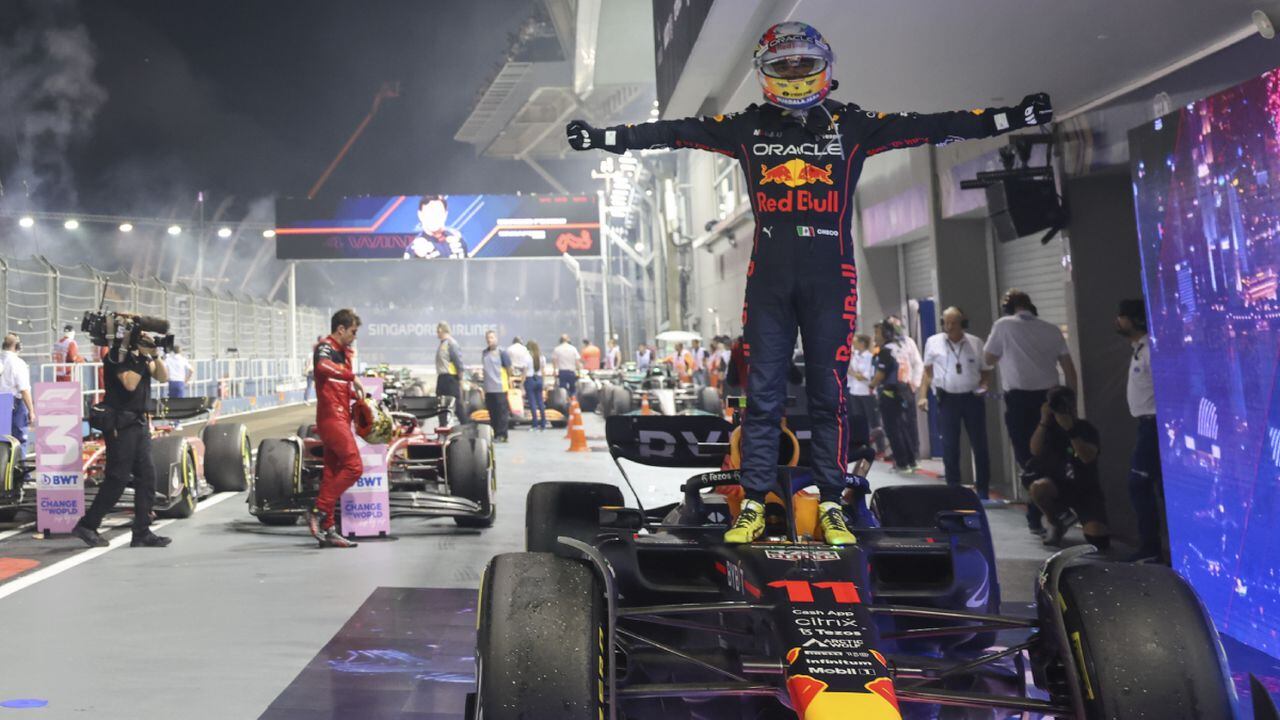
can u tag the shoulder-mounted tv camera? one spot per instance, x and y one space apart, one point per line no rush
123 333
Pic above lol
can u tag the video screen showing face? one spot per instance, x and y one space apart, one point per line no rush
1206 183
438 227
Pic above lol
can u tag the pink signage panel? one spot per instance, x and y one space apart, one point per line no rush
59 459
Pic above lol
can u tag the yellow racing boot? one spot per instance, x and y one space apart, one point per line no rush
749 526
834 529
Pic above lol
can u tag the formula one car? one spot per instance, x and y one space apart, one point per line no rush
438 471
666 394
556 400
645 613
188 469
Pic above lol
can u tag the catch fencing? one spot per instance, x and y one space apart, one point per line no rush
239 346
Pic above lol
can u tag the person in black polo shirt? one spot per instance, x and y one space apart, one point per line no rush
128 388
1064 454
893 397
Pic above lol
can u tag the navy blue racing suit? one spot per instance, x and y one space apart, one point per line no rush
801 175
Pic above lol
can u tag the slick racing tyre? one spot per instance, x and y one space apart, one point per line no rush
306 430
620 403
469 470
604 398
571 509
415 390
558 399
539 651
472 401
588 396
10 478
1142 644
709 401
227 464
176 479
477 430
275 480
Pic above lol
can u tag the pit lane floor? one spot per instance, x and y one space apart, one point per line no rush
222 622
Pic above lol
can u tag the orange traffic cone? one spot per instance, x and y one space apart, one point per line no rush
568 424
577 433
644 405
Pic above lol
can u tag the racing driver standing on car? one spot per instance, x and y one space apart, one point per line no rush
802 154
336 388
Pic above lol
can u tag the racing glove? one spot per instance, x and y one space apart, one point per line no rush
1034 110
584 137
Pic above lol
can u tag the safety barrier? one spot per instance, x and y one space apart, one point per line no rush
37 298
241 384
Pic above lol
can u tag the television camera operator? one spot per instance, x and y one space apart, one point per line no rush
128 370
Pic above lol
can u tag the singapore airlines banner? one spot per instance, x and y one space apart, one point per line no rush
438 227
407 336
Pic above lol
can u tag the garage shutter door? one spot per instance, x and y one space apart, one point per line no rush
1037 269
918 260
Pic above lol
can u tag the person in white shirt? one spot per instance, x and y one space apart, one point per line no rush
700 356
15 380
957 371
863 416
1028 352
1146 482
912 372
567 361
644 357
179 372
612 355
521 359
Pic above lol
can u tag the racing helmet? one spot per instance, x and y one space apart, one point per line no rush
373 424
794 64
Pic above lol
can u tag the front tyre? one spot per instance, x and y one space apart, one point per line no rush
1143 644
540 648
469 470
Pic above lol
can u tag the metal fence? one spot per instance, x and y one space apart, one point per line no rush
249 337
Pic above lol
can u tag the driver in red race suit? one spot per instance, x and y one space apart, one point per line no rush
336 388
802 154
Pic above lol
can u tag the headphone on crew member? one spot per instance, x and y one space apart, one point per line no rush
1136 310
964 318
1014 299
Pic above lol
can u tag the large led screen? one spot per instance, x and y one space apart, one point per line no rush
1207 192
431 227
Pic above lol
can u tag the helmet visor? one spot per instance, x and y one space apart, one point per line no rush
794 67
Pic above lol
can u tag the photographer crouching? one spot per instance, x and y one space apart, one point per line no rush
122 418
1064 452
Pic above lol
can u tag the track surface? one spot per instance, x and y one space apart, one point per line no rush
220 623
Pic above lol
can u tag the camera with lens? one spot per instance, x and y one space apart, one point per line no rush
123 333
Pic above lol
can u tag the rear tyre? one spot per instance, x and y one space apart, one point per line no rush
275 480
10 479
572 509
1141 627
415 390
620 403
604 398
558 399
175 462
539 650
588 396
469 470
227 464
306 430
709 401
473 401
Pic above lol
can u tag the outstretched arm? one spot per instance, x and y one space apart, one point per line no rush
703 133
884 131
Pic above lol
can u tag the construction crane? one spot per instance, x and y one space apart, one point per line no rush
388 91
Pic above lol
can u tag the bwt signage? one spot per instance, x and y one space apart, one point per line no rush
59 460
